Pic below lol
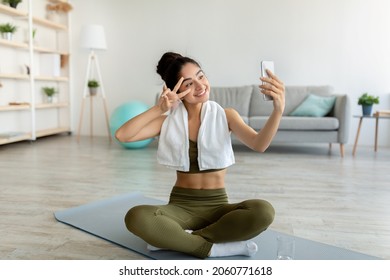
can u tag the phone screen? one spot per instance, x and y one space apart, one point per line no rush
266 64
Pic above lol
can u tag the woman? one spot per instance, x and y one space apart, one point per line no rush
194 138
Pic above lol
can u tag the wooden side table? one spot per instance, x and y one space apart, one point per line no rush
376 117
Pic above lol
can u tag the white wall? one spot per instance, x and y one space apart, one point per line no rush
343 43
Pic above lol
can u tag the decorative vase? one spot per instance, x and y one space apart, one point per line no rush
367 109
92 91
49 99
7 36
13 4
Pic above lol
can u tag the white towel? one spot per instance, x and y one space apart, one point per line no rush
214 144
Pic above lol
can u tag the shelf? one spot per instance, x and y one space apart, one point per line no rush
54 41
13 44
14 76
48 23
14 107
52 131
52 105
38 78
38 106
12 139
25 46
54 79
47 50
26 136
4 9
12 12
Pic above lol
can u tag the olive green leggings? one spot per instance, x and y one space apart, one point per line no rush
206 212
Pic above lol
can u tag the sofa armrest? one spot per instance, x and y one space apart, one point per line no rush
342 113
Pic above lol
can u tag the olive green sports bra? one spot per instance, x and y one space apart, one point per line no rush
194 166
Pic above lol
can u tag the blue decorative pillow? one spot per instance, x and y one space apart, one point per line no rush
314 106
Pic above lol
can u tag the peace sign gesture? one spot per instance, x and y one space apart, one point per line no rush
170 98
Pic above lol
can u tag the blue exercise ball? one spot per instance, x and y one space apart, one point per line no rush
122 114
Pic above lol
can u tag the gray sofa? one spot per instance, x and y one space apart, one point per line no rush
248 101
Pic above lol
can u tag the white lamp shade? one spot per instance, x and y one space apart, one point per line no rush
92 37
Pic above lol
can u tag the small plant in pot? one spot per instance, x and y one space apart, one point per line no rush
367 101
7 30
49 92
12 3
93 86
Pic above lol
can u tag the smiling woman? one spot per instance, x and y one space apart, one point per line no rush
194 139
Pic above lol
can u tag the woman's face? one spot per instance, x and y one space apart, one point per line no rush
196 81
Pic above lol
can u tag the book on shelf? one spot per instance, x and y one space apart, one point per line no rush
382 113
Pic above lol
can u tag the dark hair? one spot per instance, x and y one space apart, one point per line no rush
170 65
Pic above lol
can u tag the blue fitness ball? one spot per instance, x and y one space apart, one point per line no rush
122 114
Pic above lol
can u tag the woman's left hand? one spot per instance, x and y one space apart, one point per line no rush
274 87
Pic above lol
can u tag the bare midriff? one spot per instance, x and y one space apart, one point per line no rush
208 180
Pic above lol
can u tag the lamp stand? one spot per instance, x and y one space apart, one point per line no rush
93 59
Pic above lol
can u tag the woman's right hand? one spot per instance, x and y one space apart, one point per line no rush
274 87
170 98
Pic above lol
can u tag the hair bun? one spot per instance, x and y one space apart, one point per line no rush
165 61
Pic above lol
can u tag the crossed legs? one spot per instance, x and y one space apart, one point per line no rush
219 229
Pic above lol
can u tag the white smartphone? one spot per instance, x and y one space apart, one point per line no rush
266 64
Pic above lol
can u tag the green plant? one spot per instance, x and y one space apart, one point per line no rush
8 28
12 3
49 91
366 99
93 84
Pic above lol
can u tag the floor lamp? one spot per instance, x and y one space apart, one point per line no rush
93 38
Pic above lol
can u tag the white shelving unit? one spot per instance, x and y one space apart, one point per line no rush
26 66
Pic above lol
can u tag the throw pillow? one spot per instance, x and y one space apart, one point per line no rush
314 106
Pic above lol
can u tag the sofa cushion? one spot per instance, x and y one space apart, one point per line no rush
314 106
298 123
238 98
294 96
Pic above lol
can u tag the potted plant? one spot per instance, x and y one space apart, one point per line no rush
12 3
367 101
93 86
6 30
49 92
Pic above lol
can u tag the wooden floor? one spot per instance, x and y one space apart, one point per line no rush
317 194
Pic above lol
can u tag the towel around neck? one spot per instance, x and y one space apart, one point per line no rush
214 143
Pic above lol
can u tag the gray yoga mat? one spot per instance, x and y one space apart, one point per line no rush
105 219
